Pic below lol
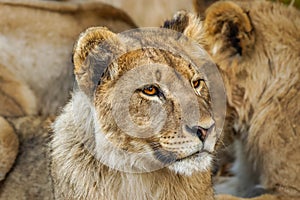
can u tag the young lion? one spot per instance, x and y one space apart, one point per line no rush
102 143
256 46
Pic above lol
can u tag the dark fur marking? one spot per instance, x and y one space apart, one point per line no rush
178 24
234 40
166 157
158 75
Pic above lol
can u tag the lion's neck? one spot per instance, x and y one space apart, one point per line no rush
161 184
90 179
77 174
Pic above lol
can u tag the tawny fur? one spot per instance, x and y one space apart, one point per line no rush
256 46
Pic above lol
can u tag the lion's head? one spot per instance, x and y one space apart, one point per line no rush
251 43
151 106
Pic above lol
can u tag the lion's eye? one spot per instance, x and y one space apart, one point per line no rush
150 90
198 83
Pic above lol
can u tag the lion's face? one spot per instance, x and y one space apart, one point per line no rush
151 102
155 123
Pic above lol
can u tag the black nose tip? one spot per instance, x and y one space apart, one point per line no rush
202 133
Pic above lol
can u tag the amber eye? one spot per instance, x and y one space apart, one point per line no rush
196 83
150 90
199 84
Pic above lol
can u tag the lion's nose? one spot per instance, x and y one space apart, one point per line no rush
202 133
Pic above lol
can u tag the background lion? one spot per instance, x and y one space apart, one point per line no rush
256 46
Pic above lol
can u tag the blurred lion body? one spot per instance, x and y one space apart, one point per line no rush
35 63
256 46
263 88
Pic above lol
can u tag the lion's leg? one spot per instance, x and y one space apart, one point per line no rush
9 145
245 179
273 146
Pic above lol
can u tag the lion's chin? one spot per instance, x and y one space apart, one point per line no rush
200 163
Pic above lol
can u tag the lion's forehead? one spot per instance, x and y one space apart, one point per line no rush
148 57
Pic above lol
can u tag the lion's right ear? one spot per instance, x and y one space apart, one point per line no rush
93 52
228 29
224 30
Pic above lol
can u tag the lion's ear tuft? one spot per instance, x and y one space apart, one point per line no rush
178 23
92 53
229 29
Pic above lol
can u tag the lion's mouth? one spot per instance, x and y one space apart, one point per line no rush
197 154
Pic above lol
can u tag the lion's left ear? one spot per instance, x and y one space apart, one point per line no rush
228 29
92 54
